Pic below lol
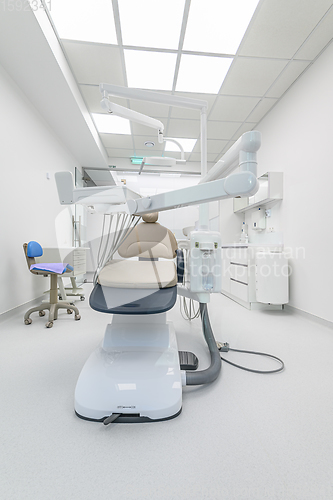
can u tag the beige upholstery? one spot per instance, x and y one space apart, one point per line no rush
138 274
149 240
150 217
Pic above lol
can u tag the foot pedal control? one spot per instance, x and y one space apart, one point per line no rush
188 360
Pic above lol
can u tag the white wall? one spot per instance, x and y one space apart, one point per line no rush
296 139
29 201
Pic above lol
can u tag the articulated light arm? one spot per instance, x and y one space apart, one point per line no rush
120 199
134 116
150 96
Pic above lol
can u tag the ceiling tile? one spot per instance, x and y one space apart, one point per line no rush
140 140
252 76
261 109
183 128
119 153
318 39
116 141
192 113
280 27
233 108
92 97
221 130
95 63
287 78
213 146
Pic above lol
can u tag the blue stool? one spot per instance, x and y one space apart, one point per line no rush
32 250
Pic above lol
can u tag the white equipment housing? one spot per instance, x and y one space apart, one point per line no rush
205 261
135 371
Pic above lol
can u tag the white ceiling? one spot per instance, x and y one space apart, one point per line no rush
283 39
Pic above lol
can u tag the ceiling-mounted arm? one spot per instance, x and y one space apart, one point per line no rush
150 96
134 116
242 154
182 153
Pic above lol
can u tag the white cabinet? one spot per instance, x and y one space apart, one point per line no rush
272 273
255 277
270 191
74 256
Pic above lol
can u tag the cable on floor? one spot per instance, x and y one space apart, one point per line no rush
224 347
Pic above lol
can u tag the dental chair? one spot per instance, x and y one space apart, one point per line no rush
145 286
135 375
31 251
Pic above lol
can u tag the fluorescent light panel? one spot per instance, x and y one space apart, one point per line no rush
218 26
150 70
202 74
188 144
85 20
151 23
111 124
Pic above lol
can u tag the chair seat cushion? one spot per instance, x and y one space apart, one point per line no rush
132 301
138 274
55 267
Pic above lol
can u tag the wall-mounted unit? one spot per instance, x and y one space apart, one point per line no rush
270 191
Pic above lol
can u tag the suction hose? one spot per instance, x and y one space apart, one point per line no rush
211 373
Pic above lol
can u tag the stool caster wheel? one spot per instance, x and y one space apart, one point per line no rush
82 297
28 321
41 313
77 317
69 311
49 324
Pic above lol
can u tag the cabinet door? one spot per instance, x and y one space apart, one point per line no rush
239 273
225 270
239 290
272 276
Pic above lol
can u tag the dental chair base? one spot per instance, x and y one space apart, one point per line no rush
134 374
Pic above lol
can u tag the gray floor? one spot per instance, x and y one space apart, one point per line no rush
247 436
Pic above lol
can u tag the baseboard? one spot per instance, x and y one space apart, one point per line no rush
20 309
310 317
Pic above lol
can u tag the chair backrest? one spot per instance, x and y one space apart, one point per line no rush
149 240
32 250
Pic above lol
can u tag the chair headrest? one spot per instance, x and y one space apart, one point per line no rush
150 217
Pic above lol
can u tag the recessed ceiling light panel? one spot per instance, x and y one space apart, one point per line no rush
85 20
218 26
202 74
151 23
110 124
150 70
